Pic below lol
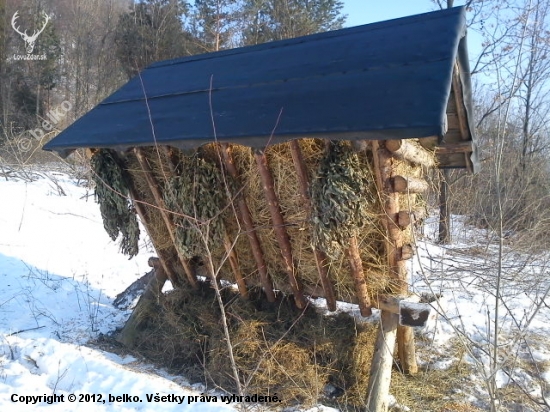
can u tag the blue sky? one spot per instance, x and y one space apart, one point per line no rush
369 11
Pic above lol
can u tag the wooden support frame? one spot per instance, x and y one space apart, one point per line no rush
279 226
320 257
414 153
234 263
389 331
381 364
246 218
409 184
164 262
153 186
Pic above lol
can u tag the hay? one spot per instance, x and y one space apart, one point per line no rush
277 348
155 223
282 350
365 217
300 226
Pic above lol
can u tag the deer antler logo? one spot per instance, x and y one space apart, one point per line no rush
29 40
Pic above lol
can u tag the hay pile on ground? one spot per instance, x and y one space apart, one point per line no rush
277 347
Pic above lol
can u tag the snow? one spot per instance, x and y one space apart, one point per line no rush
59 273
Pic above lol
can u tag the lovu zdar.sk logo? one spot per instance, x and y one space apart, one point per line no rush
29 39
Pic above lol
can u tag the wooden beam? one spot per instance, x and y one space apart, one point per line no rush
140 210
414 153
153 186
409 184
321 259
390 185
459 100
246 218
164 260
452 148
279 227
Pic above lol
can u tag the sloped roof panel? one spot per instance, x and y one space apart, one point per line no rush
384 80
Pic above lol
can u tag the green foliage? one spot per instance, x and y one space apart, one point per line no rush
22 82
282 19
214 23
112 190
197 197
341 199
152 31
48 43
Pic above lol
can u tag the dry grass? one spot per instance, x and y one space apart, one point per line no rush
281 349
277 347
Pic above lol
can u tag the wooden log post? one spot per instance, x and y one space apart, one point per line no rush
245 217
279 226
379 381
153 186
321 259
414 153
163 258
444 211
358 275
381 364
409 184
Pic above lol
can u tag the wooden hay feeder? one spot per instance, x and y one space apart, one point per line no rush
292 166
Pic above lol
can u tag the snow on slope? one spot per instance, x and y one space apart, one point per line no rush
59 273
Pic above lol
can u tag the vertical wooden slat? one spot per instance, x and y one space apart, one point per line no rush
164 261
153 186
234 263
321 259
279 226
357 273
444 211
246 218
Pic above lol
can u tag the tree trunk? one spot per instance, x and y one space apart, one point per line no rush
444 214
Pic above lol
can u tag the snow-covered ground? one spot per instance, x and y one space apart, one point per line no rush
60 272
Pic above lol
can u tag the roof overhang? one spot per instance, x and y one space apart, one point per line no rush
399 79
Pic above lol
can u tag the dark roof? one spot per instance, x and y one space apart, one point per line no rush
384 80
